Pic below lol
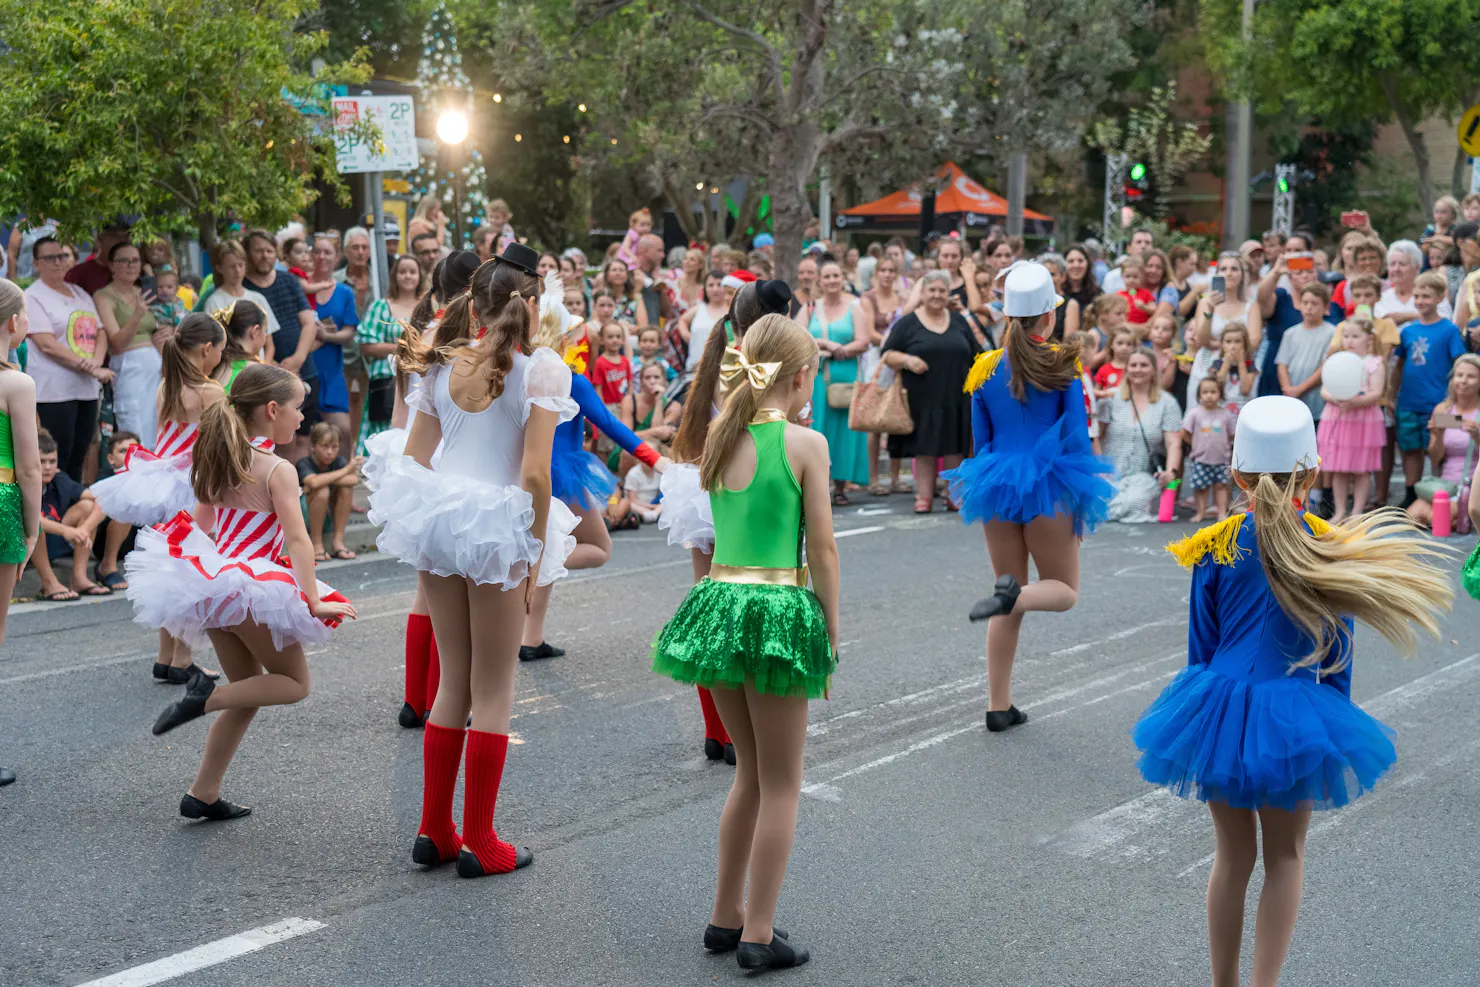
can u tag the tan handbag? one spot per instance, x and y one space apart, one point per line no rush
881 409
838 395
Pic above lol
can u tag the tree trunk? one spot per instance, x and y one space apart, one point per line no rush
791 162
206 224
1416 142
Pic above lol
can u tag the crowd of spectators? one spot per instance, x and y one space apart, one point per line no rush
1173 344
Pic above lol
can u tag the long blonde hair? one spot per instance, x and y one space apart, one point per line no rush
1378 568
772 339
1153 388
1468 359
12 303
222 457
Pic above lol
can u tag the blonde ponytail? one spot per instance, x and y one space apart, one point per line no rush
222 457
772 339
178 371
1377 568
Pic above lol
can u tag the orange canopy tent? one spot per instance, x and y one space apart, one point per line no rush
963 202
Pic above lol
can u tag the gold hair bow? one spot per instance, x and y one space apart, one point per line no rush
734 366
223 315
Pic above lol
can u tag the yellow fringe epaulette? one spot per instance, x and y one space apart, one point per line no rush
984 367
1318 525
1221 539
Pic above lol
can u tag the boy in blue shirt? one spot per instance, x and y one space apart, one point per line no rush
1426 351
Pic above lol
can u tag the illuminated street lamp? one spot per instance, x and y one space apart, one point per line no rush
452 130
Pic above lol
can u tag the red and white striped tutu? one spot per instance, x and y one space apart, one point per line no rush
183 581
153 484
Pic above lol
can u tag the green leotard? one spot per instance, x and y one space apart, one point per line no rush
762 630
12 521
236 368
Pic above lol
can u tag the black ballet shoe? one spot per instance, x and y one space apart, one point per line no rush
193 808
730 754
161 672
7 777
468 864
1000 719
536 652
778 954
718 939
180 676
189 707
1000 603
408 717
713 749
424 851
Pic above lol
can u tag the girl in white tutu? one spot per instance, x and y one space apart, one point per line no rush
686 512
221 575
154 484
483 530
423 665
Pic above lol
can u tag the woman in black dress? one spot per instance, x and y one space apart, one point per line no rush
933 348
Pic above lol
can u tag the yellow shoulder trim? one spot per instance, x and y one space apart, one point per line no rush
1318 525
1220 539
982 370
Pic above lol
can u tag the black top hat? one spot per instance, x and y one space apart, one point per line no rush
521 256
457 272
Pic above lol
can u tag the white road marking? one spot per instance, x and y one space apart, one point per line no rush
85 666
1125 830
210 954
1117 636
859 531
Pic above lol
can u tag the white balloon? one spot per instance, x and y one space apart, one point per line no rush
1342 375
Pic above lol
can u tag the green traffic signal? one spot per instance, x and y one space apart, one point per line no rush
1284 185
1138 171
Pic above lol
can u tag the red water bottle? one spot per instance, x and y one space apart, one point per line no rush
1443 523
1167 510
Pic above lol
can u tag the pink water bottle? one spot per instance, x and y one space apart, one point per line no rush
1167 510
1442 519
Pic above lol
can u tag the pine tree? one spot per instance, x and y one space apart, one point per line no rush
442 83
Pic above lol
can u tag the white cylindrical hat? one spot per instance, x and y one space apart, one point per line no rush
1275 434
1027 291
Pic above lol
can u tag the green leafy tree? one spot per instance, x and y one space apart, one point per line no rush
182 113
1354 62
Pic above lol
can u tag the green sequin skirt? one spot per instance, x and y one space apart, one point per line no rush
12 526
727 634
1470 574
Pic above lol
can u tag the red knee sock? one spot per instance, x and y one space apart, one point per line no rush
418 651
434 672
486 753
441 752
714 728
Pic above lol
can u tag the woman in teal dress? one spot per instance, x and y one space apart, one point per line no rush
834 324
20 460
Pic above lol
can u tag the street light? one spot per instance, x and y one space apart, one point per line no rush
452 130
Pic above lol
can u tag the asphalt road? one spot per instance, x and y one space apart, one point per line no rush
928 851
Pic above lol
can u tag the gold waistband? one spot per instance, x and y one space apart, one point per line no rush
7 475
758 575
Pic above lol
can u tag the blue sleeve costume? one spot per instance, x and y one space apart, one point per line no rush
578 477
1032 457
1241 725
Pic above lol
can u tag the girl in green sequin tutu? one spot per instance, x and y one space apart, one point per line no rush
752 631
20 460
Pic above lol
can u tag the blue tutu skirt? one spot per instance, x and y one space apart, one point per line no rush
1020 485
1282 742
581 480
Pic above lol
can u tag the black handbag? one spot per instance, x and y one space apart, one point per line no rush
1158 463
380 402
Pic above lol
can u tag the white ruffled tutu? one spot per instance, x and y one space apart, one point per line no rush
452 525
178 581
148 491
381 448
686 511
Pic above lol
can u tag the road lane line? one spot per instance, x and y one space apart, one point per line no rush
1119 831
80 667
859 531
208 955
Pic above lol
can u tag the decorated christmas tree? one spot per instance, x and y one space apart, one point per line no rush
442 84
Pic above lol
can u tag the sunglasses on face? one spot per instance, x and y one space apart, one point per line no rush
49 258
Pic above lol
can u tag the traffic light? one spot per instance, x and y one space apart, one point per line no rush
1137 182
1283 184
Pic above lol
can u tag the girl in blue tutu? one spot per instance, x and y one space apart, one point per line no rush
1033 480
577 477
1261 722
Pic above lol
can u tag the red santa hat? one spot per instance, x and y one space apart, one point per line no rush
738 279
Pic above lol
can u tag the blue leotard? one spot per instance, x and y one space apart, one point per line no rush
578 477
